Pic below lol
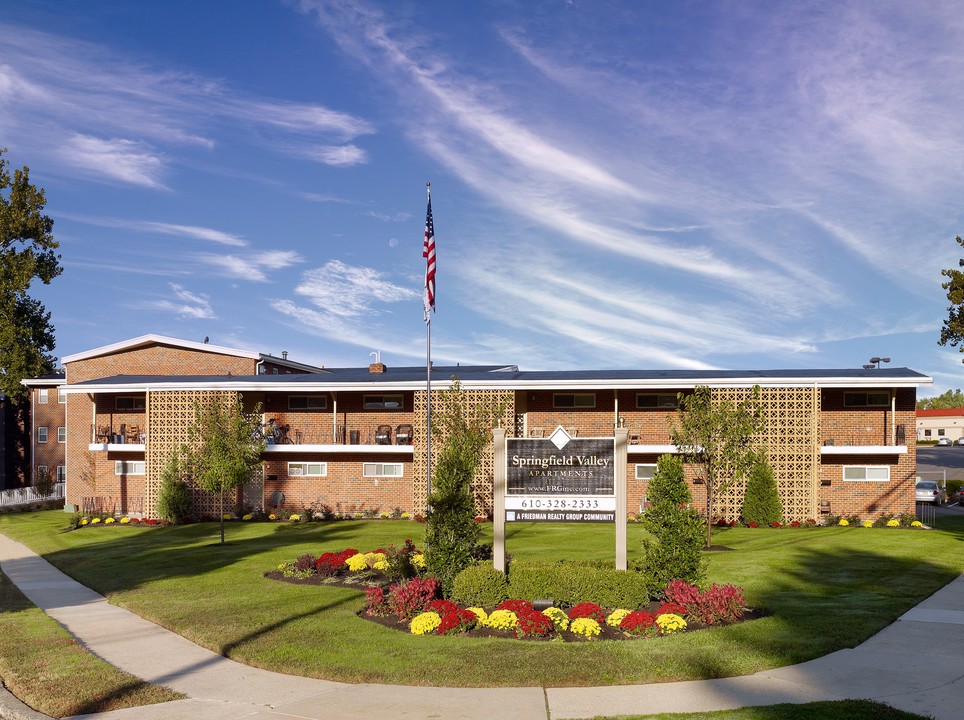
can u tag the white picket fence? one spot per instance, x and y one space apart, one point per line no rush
27 495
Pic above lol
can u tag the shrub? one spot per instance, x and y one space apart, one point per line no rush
456 621
425 623
400 565
408 599
480 585
677 531
761 501
375 601
44 483
306 564
569 583
174 500
587 627
717 603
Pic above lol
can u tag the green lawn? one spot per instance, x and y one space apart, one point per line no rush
42 665
826 589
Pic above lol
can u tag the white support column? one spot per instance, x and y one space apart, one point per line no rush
498 499
620 458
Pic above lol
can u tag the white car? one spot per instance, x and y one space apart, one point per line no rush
944 442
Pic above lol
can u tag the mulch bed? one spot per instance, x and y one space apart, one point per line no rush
379 579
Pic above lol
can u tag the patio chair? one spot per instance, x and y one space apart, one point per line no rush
383 435
133 434
103 434
403 435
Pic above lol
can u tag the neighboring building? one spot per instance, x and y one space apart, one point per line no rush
47 427
14 445
354 438
941 422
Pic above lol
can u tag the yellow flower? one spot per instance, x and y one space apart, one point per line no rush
425 624
560 620
502 620
917 523
125 520
893 522
843 521
272 516
295 518
587 627
670 623
616 617
868 523
479 613
418 560
248 516
405 516
109 521
357 562
95 521
84 521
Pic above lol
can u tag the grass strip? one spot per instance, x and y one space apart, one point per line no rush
42 665
838 710
826 589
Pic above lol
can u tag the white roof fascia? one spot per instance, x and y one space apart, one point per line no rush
43 382
162 340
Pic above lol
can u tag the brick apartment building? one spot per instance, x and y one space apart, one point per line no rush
48 427
354 439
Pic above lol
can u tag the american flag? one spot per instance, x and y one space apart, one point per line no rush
428 252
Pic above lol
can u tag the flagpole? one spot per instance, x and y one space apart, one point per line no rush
429 302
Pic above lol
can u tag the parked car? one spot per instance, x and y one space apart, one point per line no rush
929 491
944 442
960 440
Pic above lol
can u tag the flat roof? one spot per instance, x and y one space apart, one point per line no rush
509 377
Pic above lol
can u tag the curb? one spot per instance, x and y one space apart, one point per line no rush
12 709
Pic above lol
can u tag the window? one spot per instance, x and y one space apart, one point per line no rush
61 473
645 472
867 473
574 400
129 402
307 469
307 402
382 469
927 433
61 434
42 396
41 470
61 396
866 399
940 432
383 402
41 434
128 467
656 401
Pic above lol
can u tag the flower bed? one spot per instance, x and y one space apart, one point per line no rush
411 604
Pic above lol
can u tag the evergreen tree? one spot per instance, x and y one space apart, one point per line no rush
674 550
761 501
174 500
26 254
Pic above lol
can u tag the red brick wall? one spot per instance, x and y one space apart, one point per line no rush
344 489
51 415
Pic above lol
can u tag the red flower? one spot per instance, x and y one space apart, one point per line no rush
516 606
795 523
457 621
639 622
752 524
587 610
442 607
151 521
775 524
671 607
533 623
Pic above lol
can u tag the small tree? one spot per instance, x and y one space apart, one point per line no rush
674 550
716 435
953 331
451 533
174 500
227 447
761 501
44 483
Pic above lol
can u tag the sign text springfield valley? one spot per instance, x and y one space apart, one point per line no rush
537 467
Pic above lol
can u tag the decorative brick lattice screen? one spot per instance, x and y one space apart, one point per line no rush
484 477
170 417
791 435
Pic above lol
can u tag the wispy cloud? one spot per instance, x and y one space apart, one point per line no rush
192 232
346 291
125 121
251 266
337 155
185 304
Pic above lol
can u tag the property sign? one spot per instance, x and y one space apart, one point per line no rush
560 479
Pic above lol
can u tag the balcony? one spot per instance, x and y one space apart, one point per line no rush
866 443
360 438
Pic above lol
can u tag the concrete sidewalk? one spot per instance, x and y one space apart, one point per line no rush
916 664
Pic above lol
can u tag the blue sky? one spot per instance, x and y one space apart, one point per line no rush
740 185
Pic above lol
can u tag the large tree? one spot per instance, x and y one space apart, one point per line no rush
717 436
227 446
26 254
953 331
949 399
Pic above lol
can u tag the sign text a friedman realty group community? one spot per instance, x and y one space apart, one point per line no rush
573 483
